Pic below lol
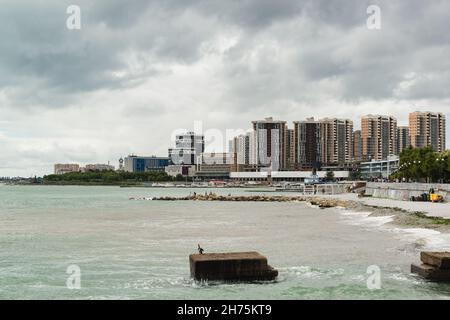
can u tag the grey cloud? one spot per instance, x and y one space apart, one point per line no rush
173 32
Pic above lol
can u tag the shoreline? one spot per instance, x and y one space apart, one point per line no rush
404 214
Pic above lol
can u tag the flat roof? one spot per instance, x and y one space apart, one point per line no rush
252 255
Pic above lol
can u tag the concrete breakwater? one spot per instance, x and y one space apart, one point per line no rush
435 266
234 266
404 191
320 202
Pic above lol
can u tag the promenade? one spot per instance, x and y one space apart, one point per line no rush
430 209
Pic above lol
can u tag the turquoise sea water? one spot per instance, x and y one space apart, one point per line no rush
139 249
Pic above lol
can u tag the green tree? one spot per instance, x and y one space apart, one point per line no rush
329 176
355 174
423 164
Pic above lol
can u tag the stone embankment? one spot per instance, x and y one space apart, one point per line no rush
404 191
316 201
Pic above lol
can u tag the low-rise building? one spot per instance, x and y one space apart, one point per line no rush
61 168
279 176
184 170
214 165
98 167
381 169
135 163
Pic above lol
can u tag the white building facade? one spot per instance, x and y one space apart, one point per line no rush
187 148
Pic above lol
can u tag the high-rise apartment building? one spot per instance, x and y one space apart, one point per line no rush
357 146
240 151
307 144
290 149
379 137
403 141
270 145
336 136
427 129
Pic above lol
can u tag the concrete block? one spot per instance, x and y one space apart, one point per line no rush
235 266
440 260
431 272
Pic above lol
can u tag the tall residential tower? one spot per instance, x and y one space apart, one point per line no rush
307 144
271 147
403 140
336 144
379 137
427 129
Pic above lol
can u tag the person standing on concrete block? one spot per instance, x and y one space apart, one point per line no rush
200 249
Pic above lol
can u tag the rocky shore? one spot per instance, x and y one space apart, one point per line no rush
316 201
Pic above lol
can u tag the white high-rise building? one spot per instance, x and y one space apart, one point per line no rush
188 147
239 148
252 153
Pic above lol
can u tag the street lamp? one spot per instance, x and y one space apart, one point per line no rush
440 162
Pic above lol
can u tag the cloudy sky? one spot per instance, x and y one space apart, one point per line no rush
138 70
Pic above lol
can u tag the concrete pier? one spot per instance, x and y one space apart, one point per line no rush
235 266
435 266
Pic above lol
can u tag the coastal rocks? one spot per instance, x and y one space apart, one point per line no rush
327 203
315 201
435 266
236 266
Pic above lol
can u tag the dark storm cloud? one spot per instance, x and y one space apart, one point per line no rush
38 47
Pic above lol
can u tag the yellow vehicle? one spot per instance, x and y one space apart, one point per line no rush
434 197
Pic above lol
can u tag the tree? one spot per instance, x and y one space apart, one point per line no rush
329 176
107 177
423 164
355 174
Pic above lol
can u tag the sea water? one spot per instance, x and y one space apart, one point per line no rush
126 249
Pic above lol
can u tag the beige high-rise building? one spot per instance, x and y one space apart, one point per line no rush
336 141
379 137
403 141
427 129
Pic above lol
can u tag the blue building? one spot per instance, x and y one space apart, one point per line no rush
134 163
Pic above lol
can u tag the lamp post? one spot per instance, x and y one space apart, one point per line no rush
416 163
440 162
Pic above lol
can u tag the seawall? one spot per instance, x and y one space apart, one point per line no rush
404 191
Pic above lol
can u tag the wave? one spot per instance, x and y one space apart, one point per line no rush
365 219
419 238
